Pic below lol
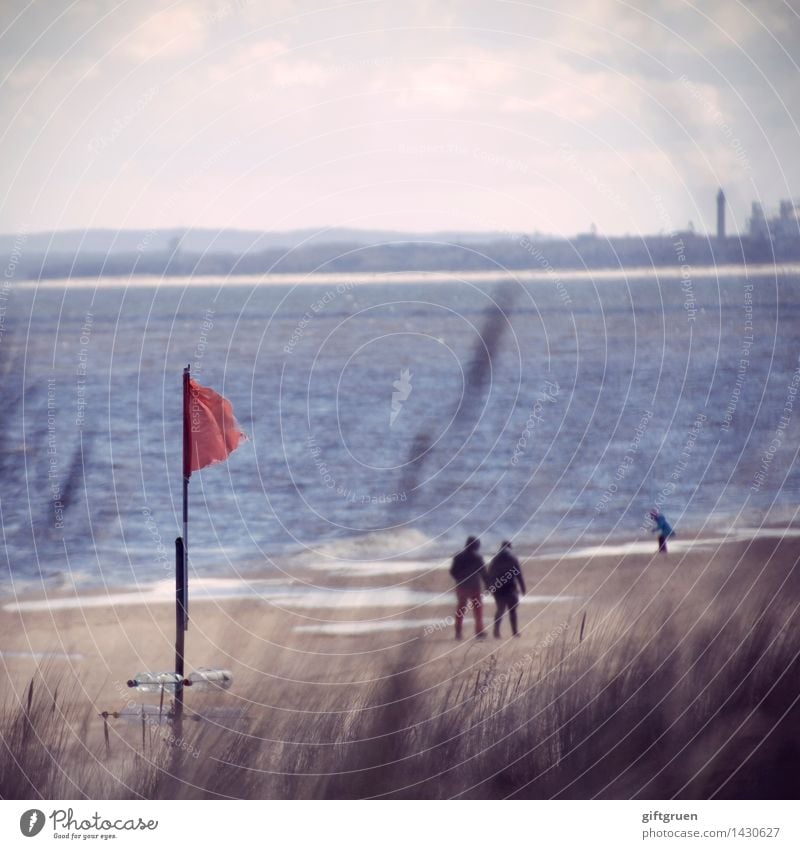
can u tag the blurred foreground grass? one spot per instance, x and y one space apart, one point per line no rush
689 687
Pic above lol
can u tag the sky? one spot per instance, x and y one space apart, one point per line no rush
418 115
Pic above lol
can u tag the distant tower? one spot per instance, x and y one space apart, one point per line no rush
720 214
759 229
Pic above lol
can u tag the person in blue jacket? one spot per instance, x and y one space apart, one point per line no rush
663 528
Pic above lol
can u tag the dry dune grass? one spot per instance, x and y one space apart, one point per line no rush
688 687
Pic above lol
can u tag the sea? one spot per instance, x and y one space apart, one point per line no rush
390 416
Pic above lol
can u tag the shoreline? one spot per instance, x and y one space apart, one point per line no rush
357 584
317 676
377 277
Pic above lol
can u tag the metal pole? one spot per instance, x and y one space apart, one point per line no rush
180 618
187 473
182 558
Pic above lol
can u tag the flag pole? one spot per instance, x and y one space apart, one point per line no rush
180 617
182 559
187 473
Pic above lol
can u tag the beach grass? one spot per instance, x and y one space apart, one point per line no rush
687 686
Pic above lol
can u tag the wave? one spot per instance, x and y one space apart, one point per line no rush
393 277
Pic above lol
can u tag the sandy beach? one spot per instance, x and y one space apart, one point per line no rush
316 655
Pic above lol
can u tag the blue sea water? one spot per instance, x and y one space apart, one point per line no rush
390 419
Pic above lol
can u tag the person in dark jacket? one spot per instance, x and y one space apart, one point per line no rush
505 576
469 573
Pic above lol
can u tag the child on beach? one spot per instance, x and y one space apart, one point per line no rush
663 528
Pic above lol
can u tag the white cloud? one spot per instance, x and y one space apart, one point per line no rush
451 83
174 32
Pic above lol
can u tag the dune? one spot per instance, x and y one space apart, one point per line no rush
636 676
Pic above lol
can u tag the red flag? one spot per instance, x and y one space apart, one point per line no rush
213 431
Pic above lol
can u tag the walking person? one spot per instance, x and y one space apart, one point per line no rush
469 573
664 529
505 576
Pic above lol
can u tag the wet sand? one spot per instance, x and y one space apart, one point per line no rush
342 627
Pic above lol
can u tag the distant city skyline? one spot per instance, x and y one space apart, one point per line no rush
422 116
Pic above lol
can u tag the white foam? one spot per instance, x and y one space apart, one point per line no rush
42 655
281 594
378 597
355 629
389 546
379 567
620 550
767 533
358 278
675 545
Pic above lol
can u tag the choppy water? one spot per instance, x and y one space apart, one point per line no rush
554 411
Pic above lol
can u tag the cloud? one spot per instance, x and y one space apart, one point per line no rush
327 97
451 83
174 32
